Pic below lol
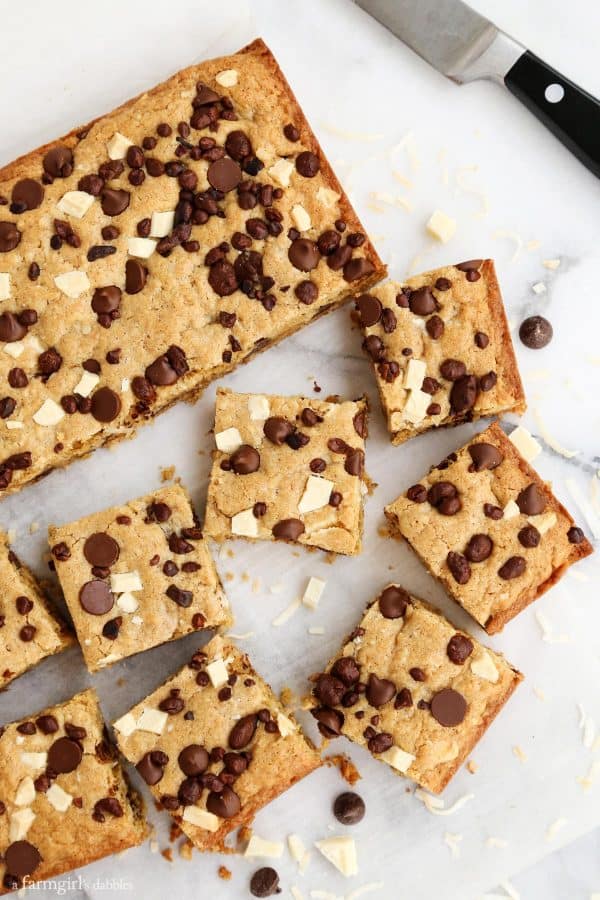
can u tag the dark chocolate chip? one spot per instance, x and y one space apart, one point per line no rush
393 602
448 707
484 456
512 568
459 567
536 332
459 649
531 500
479 548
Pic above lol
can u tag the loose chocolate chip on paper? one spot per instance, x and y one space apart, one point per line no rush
264 882
448 707
536 332
459 649
349 808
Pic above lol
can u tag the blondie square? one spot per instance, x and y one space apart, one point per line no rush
489 529
214 744
441 348
288 468
137 575
413 689
64 800
30 630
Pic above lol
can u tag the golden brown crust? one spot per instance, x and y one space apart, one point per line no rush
61 451
491 601
508 368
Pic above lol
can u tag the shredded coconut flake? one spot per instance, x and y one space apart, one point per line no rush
551 263
547 630
435 805
551 441
287 613
515 238
586 508
453 842
241 637
554 828
365 889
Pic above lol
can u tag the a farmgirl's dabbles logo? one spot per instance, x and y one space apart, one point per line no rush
63 886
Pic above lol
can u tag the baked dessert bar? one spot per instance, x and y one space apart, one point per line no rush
413 689
214 744
137 575
486 525
288 468
441 348
156 248
30 630
64 799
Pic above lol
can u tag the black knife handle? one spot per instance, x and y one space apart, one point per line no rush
574 119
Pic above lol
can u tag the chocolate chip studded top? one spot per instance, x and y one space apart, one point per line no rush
219 753
288 468
30 630
440 348
185 241
488 527
137 575
59 778
411 689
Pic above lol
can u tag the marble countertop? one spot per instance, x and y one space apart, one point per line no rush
516 195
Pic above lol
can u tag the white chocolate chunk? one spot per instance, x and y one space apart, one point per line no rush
229 440
539 287
300 217
316 494
49 413
126 725
118 146
544 522
137 620
75 204
285 725
527 446
217 672
34 760
58 798
341 852
162 223
415 373
153 720
296 847
245 523
415 408
20 823
14 426
108 660
440 226
327 197
281 172
14 349
127 603
484 667
32 342
25 792
398 759
86 383
227 78
123 582
511 510
313 592
202 818
141 247
4 285
258 846
258 408
72 284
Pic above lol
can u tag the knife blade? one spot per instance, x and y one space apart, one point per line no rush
464 46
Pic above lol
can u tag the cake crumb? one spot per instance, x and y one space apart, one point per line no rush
167 473
224 873
472 766
185 849
167 853
346 767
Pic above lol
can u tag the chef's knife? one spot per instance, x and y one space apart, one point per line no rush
465 46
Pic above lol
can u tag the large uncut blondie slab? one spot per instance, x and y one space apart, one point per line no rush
30 630
214 744
486 525
64 799
441 349
413 689
155 249
288 468
137 575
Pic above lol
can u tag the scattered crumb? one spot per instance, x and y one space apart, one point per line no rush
551 263
472 766
533 245
539 694
316 630
224 873
551 441
346 767
175 831
286 697
453 842
185 849
245 576
539 287
153 846
554 828
35 526
287 613
256 585
121 681
167 473
229 576
316 388
167 853
520 753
